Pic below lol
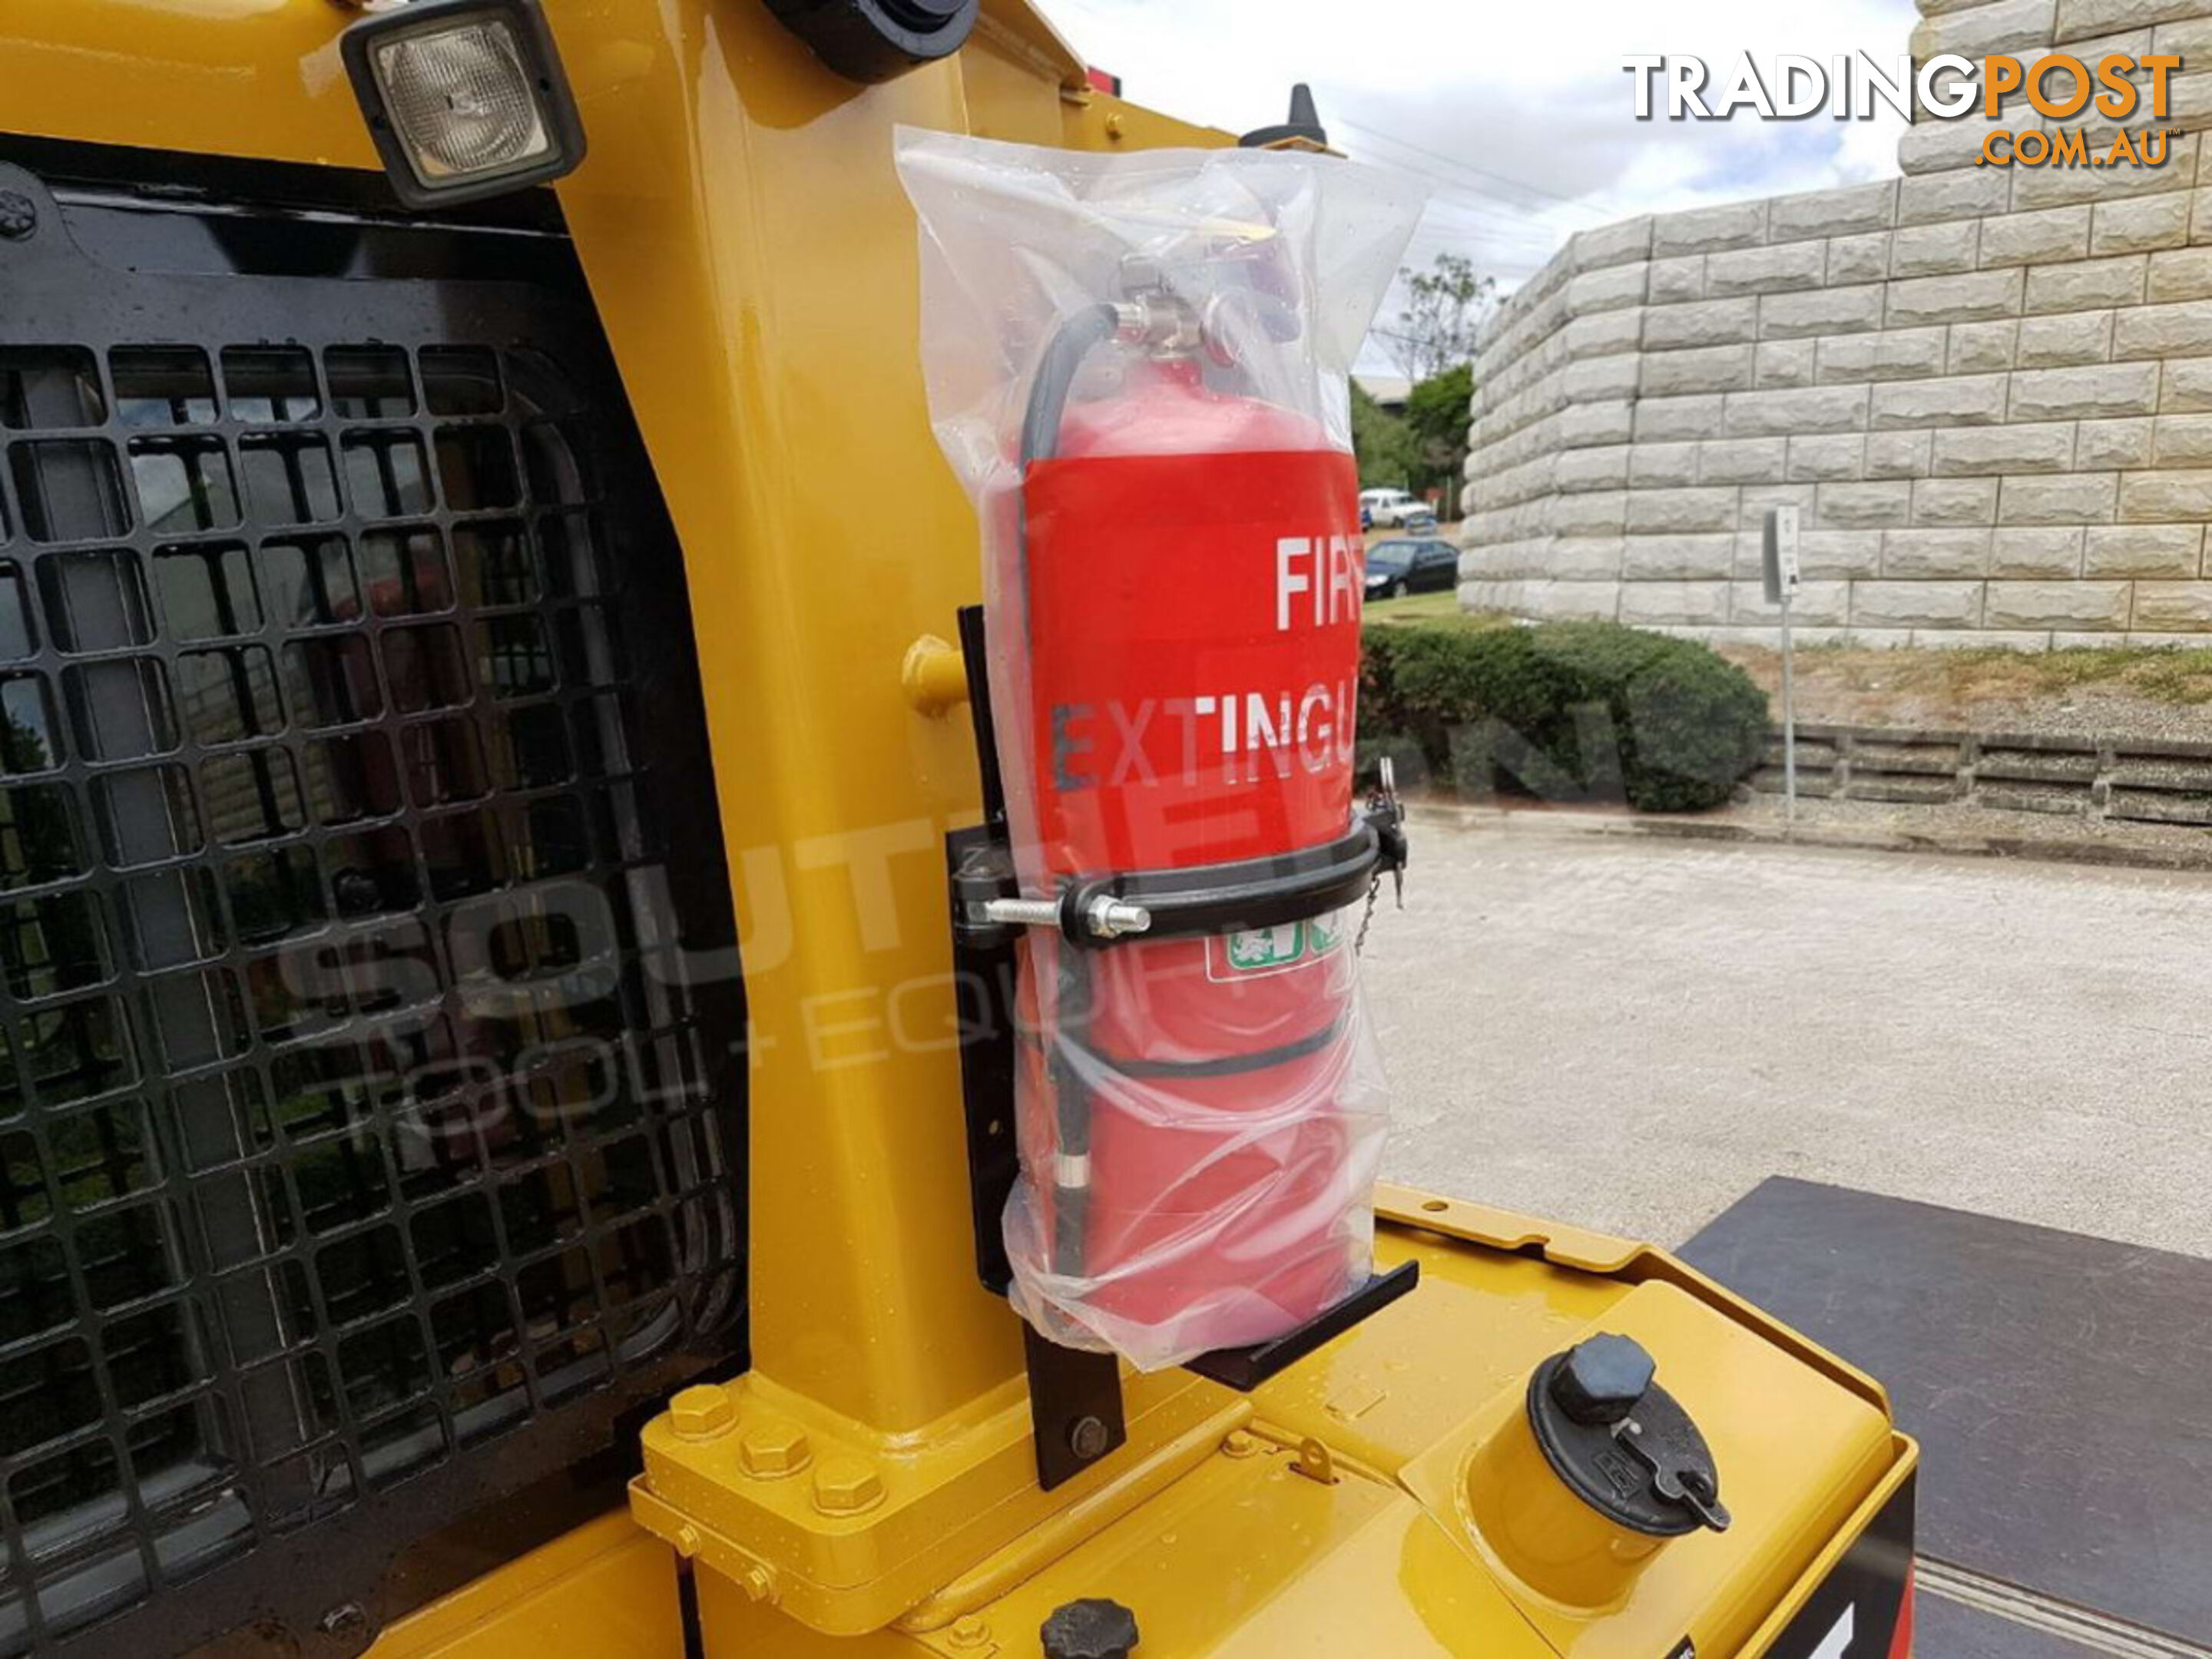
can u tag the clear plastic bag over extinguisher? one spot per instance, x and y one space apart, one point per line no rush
1140 367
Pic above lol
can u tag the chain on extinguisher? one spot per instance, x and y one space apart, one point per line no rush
1384 811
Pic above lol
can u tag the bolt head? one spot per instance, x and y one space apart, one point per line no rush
969 1632
845 1485
18 215
344 1618
1088 1438
771 1449
703 1413
1238 1444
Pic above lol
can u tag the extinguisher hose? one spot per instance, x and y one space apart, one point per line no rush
1078 336
1064 356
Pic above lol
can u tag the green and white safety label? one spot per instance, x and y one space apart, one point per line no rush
1278 950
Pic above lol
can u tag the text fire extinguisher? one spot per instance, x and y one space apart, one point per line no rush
1196 1109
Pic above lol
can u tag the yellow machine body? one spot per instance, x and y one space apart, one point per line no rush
869 1486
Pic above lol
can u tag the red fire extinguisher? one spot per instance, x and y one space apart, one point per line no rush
1184 687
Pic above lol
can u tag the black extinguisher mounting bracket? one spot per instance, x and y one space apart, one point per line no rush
1098 912
1214 899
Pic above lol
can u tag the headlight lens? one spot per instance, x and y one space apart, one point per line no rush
465 98
461 100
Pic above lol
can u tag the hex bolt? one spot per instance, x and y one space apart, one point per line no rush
18 215
1106 918
1088 1438
771 1449
343 1620
968 1631
1239 1443
703 1413
845 1485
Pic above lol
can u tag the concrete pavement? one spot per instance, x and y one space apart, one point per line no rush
1630 1035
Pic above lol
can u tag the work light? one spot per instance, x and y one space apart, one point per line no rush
465 98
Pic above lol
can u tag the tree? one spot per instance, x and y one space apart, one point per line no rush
1438 413
1389 455
1447 306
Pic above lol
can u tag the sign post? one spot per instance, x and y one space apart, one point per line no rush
1780 545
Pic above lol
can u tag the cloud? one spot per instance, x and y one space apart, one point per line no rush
1520 119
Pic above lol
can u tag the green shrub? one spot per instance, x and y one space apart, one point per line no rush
1565 710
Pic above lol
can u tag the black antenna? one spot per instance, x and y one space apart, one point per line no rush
1304 123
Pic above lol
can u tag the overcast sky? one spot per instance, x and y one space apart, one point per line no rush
1517 115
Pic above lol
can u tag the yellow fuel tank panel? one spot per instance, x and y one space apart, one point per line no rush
1341 1509
1360 1503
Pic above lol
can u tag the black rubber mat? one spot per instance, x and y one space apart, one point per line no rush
2061 1385
1945 1630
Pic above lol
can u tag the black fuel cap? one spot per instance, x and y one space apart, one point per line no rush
1602 1380
1621 1442
1093 1628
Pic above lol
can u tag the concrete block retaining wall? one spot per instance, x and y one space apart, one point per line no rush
1988 389
2138 781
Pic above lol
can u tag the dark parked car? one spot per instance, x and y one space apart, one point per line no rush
1411 567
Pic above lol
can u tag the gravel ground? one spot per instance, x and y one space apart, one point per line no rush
1629 1033
1955 827
1960 826
1973 692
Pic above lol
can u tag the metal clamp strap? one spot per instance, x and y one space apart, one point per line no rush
1098 911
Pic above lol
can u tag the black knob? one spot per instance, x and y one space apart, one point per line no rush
1603 1380
1093 1628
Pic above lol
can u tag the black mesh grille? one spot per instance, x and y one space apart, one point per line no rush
346 1120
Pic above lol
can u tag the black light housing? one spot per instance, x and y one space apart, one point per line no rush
465 99
877 40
